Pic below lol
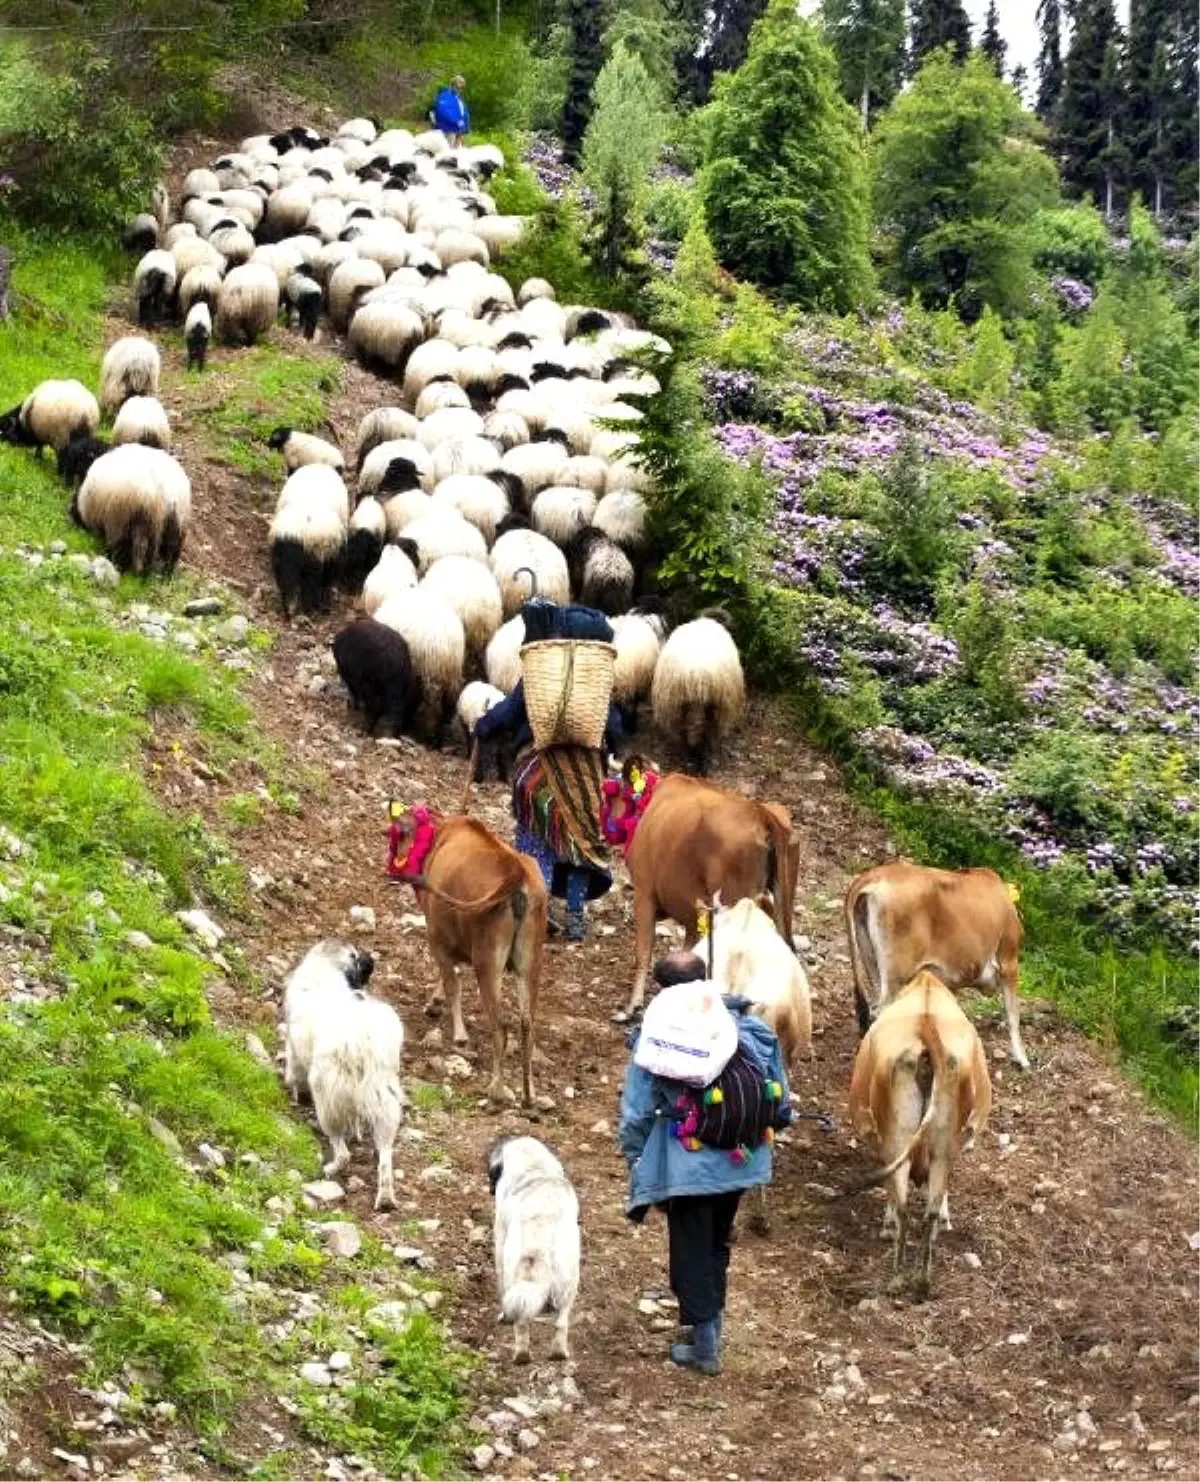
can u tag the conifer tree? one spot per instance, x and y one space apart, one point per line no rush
993 45
1090 110
867 37
586 57
1050 61
937 23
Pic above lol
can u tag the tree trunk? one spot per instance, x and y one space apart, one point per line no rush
1108 178
6 262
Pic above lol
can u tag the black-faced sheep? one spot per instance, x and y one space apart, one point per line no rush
302 448
76 458
364 542
437 644
384 424
51 413
470 589
497 755
383 334
560 514
305 299
699 693
444 532
307 540
154 281
138 500
395 571
130 368
375 666
602 573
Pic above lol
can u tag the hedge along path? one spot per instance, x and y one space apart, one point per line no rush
1067 1285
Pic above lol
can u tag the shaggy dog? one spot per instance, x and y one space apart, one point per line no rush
344 1048
537 1240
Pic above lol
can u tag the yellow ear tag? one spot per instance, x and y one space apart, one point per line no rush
635 779
703 922
395 809
1014 893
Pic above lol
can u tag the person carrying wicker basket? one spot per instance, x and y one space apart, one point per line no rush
561 712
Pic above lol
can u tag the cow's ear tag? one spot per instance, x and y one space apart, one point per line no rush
704 922
1014 893
395 808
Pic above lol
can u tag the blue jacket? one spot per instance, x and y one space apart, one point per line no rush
510 716
450 113
660 1167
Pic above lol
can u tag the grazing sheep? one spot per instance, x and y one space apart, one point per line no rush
199 285
345 1048
193 252
438 395
400 510
74 460
404 462
130 368
384 424
560 514
506 430
515 555
302 448
305 300
233 242
636 639
374 665
464 455
444 533
197 332
154 281
433 360
583 472
470 589
383 334
476 498
143 419
536 464
393 572
437 644
453 423
248 304
348 283
502 661
200 183
307 540
699 692
364 542
476 700
534 288
50 415
319 481
141 234
602 573
622 517
139 501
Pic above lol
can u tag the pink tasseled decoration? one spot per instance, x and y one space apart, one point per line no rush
424 832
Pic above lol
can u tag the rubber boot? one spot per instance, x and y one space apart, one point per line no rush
576 896
556 923
704 1351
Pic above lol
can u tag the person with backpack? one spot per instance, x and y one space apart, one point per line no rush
694 1148
450 112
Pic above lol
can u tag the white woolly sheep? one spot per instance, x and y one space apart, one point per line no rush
143 419
699 692
535 464
470 589
194 252
439 395
248 304
528 405
301 448
444 533
477 371
154 281
400 456
331 256
583 472
130 368
233 242
476 700
515 555
139 501
199 285
348 283
476 498
384 424
307 540
393 572
638 645
534 288
400 510
463 455
506 430
364 542
499 233
437 646
287 211
197 333
317 481
383 334
200 182
455 245
454 422
602 574
502 661
622 517
305 300
50 415
561 513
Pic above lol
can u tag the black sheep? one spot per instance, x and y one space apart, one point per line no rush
375 666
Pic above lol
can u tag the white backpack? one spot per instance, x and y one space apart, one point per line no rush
687 1034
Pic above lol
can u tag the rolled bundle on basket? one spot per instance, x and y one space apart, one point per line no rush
568 686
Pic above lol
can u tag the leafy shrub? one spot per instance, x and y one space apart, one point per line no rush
1071 240
1177 471
914 517
622 142
497 69
670 207
1095 386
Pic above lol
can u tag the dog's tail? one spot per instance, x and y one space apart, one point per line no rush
531 1293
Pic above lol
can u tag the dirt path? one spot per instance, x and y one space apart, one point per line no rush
1061 1337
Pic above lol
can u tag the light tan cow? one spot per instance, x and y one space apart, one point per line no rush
694 841
920 1083
962 925
750 958
485 906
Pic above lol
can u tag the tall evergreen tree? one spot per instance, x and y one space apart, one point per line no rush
1183 131
619 149
937 23
716 39
1050 60
867 37
993 44
586 57
1147 74
1019 80
1090 110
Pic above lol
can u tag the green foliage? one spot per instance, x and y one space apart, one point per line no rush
552 248
647 30
585 58
622 143
958 181
670 209
1095 386
784 182
1071 240
245 400
867 37
498 70
938 24
913 514
1090 111
1177 472
990 367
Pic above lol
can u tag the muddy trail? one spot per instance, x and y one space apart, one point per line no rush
1060 1340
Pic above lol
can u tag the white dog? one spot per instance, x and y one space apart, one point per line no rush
537 1240
344 1048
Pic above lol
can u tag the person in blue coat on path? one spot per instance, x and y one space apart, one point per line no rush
698 1190
450 112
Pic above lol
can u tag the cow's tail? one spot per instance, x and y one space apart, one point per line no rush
780 875
508 890
864 963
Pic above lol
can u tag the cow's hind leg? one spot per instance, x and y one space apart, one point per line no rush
489 963
1009 973
451 989
900 1203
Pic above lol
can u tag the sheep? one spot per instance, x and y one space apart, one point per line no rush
528 405
345 1048
248 304
139 501
141 234
400 510
637 640
439 395
307 540
476 700
200 183
177 232
535 464
302 448
534 288
143 419
519 552
374 664
348 282
130 367
464 455
476 498
305 300
384 424
366 130
364 542
434 359
622 517
437 644
602 573
320 481
50 415
470 589
197 332
233 242
395 459
499 232
80 452
624 472
477 371
393 572
699 693
154 281
444 533
383 334
287 211
502 660
505 429
454 422
199 285
582 472
193 252
331 256
560 514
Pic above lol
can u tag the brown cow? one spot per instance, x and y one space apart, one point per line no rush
963 926
485 905
920 1083
695 840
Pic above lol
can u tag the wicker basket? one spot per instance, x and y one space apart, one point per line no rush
568 686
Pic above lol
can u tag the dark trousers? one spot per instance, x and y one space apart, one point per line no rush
698 1231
